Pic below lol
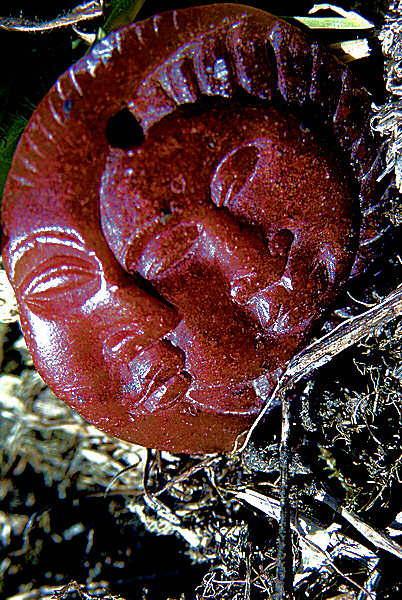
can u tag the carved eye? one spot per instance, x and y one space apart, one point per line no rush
70 279
232 173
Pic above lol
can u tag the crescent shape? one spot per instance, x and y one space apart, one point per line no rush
174 221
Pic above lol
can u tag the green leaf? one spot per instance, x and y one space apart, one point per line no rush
123 12
345 20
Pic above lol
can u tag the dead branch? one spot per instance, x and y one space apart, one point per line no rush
378 539
83 12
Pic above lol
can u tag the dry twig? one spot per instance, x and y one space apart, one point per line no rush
284 572
83 12
327 543
378 539
387 120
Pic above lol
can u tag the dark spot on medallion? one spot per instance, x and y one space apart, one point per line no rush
124 131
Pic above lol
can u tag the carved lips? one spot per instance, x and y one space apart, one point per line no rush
181 209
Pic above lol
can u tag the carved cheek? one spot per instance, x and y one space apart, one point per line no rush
147 226
129 218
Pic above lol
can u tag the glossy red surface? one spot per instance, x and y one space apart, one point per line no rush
164 284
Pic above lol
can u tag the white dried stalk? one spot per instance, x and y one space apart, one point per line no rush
83 12
387 118
8 303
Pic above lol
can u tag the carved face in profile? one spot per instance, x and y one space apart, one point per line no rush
163 287
234 227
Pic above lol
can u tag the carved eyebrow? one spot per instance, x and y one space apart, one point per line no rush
63 235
